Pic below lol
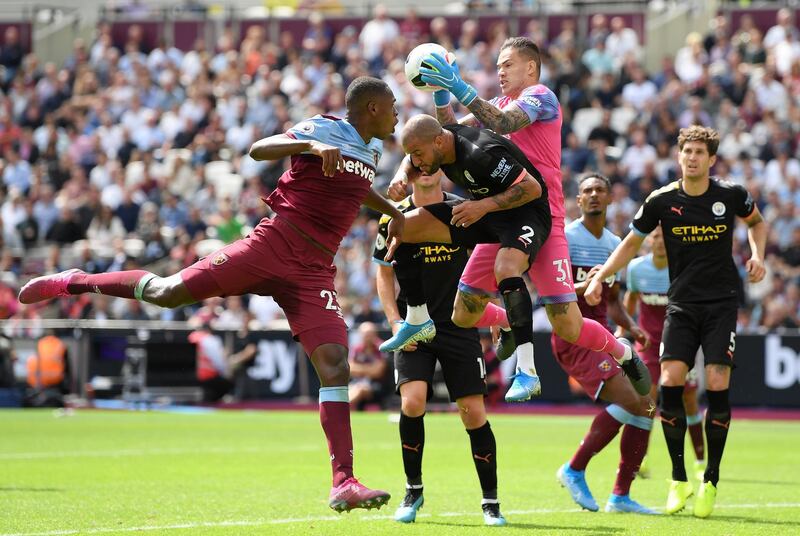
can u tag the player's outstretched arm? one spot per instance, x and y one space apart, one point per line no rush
621 256
757 237
511 119
281 146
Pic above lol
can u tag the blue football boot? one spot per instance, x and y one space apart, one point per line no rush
624 504
575 482
409 333
523 387
407 511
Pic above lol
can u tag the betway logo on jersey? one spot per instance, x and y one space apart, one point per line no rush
699 233
581 274
358 167
654 299
502 169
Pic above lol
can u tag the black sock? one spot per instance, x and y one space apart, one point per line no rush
412 440
408 271
673 421
718 419
484 454
519 308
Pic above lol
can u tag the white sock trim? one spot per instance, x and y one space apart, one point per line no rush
417 314
525 358
138 291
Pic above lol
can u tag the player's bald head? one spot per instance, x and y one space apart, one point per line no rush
420 129
363 90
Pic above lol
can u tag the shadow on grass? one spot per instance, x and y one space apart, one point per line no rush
760 482
28 490
550 529
724 518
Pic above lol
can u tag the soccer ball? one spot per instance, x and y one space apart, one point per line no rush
415 60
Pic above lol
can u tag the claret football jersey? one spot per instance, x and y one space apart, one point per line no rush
325 207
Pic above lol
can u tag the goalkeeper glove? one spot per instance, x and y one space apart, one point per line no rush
447 76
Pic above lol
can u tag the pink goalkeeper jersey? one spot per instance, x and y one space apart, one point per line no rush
541 140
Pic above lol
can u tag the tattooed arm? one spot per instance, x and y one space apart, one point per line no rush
505 121
446 116
517 195
524 191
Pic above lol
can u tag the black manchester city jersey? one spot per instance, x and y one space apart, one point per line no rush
487 163
443 264
698 232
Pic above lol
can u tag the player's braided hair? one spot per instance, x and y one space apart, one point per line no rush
362 89
594 175
707 135
527 48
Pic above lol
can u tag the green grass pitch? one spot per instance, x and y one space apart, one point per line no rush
241 473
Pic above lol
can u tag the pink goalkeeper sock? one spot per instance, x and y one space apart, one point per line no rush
595 337
493 315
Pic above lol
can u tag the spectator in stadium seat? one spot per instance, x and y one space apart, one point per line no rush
640 93
637 155
376 33
622 42
17 172
11 53
367 368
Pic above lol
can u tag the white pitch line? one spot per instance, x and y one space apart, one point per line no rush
168 451
367 518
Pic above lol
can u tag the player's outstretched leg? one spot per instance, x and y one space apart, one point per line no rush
132 284
127 284
347 493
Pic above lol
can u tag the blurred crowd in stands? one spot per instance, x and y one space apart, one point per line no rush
131 156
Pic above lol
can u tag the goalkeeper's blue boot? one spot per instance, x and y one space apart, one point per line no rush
409 333
407 511
492 516
624 504
523 387
575 482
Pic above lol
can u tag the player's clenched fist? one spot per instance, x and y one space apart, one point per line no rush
755 270
397 188
594 291
331 157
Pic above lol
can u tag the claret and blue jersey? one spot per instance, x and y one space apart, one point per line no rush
325 207
587 251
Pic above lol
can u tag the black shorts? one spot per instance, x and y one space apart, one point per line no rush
688 326
524 228
460 354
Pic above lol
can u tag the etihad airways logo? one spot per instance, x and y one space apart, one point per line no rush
439 253
358 167
699 233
